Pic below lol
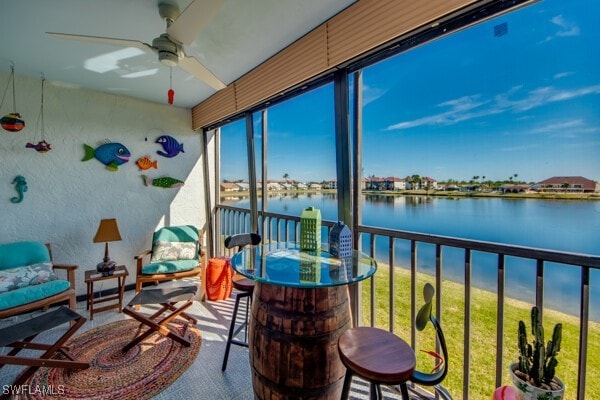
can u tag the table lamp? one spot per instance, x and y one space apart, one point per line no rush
108 231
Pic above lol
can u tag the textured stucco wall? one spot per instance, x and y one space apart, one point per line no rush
66 198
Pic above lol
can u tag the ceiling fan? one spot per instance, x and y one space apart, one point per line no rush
182 29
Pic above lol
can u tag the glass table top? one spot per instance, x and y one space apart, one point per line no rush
285 264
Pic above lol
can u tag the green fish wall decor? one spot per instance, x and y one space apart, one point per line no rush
164 182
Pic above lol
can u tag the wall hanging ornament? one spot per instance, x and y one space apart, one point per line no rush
152 132
11 122
171 92
145 163
110 154
42 146
170 146
21 187
164 182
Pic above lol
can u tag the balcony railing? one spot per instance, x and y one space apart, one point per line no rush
384 245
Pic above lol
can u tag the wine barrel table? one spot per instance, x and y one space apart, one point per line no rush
300 308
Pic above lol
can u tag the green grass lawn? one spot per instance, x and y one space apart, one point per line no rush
483 334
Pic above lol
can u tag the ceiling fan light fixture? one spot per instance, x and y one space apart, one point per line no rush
168 59
168 51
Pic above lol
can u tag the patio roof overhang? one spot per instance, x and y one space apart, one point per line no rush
357 33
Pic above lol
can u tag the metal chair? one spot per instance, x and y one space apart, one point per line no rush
382 358
377 356
245 288
436 377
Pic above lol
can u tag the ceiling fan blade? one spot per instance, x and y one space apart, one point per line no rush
193 67
196 16
102 40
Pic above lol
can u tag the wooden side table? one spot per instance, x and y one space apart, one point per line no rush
92 276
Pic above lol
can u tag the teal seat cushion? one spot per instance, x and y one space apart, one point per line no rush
29 294
169 267
19 254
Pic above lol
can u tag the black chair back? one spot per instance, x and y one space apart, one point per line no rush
423 317
242 240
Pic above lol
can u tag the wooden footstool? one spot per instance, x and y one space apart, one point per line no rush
20 336
167 299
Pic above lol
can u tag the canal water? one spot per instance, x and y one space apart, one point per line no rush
564 225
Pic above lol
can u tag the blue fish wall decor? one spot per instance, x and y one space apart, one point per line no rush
110 154
170 146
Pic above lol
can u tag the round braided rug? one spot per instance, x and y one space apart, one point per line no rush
142 372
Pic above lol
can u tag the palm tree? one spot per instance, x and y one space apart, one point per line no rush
286 176
371 179
427 187
416 181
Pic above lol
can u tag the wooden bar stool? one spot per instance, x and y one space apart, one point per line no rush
245 288
377 356
381 357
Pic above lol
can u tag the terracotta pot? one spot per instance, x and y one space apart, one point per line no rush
526 391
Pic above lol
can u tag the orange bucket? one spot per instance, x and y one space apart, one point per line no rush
218 278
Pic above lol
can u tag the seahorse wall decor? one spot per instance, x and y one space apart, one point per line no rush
20 187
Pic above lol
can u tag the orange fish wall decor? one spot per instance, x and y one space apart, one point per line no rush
145 163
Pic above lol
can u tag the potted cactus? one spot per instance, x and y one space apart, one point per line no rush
534 374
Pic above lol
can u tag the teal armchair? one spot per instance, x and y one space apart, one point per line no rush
176 253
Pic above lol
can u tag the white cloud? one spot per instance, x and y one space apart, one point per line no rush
556 126
560 75
520 148
370 94
470 107
583 145
566 129
567 28
461 109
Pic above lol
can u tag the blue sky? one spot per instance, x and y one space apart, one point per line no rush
525 103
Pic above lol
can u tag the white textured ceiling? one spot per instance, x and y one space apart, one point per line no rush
243 34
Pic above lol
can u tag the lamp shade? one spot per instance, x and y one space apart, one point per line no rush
108 231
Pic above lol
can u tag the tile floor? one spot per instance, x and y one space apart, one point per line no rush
203 379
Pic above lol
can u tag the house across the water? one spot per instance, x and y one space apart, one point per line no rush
567 184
